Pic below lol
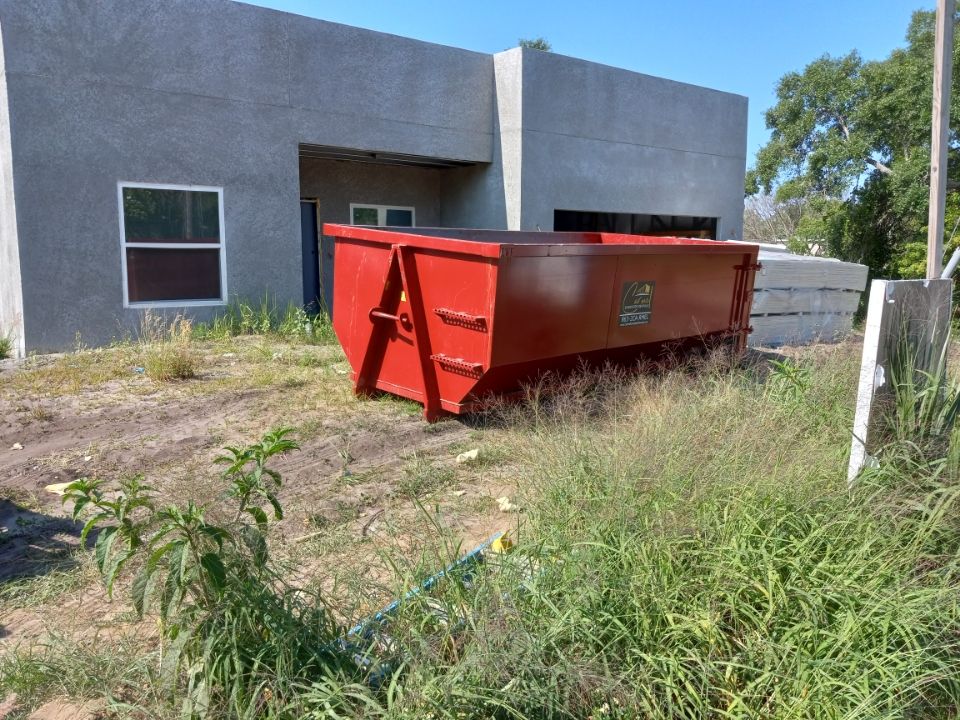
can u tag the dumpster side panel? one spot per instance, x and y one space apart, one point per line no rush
659 298
552 306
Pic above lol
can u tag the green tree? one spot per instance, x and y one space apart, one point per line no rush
535 44
852 139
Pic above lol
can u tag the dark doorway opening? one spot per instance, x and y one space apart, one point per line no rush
635 224
310 256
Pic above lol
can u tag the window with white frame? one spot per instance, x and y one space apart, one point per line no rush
382 215
172 244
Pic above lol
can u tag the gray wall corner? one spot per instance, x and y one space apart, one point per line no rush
11 289
508 76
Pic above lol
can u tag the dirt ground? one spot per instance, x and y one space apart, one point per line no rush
371 482
374 497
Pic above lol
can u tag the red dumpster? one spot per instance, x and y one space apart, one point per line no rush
450 317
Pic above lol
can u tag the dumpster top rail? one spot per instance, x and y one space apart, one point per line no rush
506 243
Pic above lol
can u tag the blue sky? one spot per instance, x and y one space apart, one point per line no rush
742 46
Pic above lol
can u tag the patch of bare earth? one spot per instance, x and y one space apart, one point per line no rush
372 480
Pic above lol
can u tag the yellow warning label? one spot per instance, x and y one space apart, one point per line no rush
403 296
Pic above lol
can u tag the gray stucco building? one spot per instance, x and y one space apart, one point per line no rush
181 154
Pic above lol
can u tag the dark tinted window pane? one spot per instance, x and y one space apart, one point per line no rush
635 224
154 274
400 218
364 216
151 215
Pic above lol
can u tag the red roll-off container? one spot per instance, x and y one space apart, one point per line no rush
449 317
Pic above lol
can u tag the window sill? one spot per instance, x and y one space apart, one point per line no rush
173 304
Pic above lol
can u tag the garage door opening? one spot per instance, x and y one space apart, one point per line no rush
704 228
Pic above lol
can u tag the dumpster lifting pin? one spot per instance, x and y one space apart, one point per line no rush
378 313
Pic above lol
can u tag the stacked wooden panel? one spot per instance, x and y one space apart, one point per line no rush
801 299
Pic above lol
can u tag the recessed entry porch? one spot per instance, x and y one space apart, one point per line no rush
344 185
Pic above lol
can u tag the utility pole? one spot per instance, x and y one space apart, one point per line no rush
942 76
911 313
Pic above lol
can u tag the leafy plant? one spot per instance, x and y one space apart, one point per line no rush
6 345
535 44
789 381
230 622
127 527
250 478
848 141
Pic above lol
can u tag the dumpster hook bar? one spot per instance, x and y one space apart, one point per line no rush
378 312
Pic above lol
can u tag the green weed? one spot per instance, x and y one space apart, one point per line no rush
687 548
788 381
235 634
691 550
291 323
925 400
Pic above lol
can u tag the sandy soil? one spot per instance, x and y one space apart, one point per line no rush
360 482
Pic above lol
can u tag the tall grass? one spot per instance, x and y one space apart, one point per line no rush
690 550
167 349
266 317
921 412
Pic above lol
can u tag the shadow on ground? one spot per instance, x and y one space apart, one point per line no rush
33 543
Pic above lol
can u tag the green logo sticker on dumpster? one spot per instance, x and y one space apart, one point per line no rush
636 302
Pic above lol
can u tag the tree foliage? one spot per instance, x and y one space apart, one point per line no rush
851 139
535 44
794 222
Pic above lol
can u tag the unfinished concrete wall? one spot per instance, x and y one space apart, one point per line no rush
218 93
599 138
356 88
11 291
201 92
489 195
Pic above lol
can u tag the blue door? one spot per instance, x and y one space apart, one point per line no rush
310 256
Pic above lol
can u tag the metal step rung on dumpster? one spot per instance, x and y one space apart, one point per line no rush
455 317
458 364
